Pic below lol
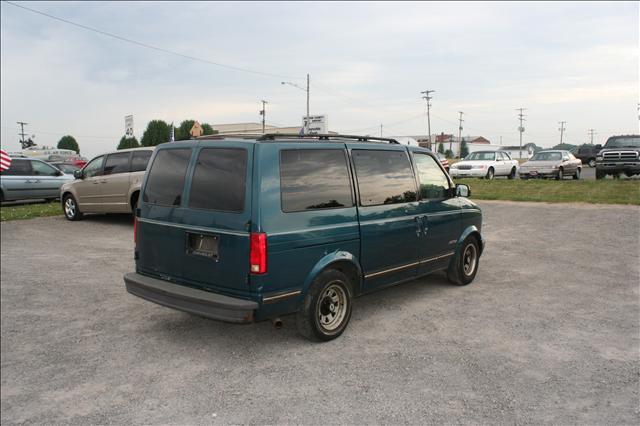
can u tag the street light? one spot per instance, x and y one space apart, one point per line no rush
304 90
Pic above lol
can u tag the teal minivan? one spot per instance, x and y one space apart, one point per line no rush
243 230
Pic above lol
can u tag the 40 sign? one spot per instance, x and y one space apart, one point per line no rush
5 160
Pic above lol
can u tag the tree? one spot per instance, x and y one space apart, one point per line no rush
208 130
182 131
464 149
448 153
157 132
440 148
126 142
69 142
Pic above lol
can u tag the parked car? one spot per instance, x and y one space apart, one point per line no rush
551 164
243 230
31 179
66 168
485 164
587 154
109 183
621 154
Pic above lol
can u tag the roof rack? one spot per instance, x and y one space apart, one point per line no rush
324 137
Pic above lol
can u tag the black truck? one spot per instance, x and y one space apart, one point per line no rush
621 154
587 153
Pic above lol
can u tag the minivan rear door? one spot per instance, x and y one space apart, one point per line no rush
195 213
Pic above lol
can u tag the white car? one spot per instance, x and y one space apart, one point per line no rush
485 164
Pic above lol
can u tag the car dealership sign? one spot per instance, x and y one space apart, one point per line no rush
318 125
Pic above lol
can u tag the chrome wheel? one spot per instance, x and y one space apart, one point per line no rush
70 208
469 260
592 163
332 307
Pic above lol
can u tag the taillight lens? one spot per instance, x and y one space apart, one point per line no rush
258 253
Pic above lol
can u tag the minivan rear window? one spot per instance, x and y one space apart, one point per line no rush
166 177
384 177
219 180
313 179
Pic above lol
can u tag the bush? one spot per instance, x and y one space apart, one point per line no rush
126 143
69 142
464 149
440 148
448 153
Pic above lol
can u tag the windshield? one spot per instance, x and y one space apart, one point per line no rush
547 156
630 142
486 156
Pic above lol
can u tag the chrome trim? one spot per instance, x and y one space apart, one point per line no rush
277 297
193 228
409 265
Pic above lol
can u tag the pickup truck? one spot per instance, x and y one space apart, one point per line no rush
620 155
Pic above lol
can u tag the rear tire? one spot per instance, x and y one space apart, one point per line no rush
592 162
512 175
464 269
577 175
560 174
326 308
70 208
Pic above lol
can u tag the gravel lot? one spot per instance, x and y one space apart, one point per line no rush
548 333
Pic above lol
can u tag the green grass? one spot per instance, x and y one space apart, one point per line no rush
30 211
551 191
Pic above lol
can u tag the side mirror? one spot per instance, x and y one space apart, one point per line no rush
77 174
462 190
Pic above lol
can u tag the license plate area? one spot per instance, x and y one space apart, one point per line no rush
204 245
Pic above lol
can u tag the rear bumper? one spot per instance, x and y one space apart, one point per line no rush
187 299
537 175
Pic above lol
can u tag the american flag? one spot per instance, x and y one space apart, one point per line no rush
5 160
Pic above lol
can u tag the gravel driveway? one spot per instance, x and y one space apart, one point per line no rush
548 333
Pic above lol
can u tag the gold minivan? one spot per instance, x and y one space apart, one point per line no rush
109 183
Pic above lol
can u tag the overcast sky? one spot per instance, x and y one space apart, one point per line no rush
574 62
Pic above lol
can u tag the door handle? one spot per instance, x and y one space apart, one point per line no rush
103 181
95 182
418 225
425 224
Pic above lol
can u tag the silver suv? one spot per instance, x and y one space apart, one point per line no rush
109 183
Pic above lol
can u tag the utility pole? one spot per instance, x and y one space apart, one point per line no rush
22 133
521 127
459 135
381 130
263 113
427 96
306 90
591 133
561 123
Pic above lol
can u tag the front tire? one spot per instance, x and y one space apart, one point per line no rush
464 269
70 208
490 174
326 308
600 174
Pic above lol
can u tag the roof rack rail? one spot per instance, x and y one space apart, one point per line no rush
324 137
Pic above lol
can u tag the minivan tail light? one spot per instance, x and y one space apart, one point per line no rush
258 253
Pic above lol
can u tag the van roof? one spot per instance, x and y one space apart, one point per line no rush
292 137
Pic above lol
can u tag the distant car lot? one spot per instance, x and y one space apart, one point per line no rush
548 332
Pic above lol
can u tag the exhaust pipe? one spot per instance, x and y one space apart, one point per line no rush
277 323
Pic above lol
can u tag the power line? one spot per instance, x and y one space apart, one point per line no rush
146 45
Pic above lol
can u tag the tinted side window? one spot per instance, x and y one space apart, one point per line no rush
314 179
94 168
139 160
219 180
433 182
18 168
117 163
166 177
42 169
384 177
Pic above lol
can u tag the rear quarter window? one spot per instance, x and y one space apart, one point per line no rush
312 179
165 182
219 180
139 160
